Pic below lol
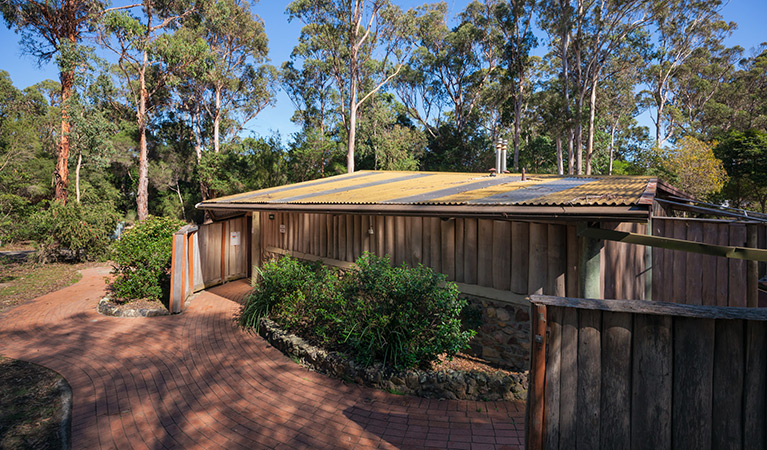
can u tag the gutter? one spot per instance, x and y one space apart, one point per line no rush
508 212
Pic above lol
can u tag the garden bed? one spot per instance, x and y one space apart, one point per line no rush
438 384
136 308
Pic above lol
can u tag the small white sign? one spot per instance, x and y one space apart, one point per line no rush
234 238
283 229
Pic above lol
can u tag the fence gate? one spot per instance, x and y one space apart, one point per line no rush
208 255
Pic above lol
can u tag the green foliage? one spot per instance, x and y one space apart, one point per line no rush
401 316
142 258
80 231
744 156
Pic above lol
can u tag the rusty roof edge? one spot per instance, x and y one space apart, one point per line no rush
648 195
631 212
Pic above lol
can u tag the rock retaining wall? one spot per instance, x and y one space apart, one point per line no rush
504 335
444 384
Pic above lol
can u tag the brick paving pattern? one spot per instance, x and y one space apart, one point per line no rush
195 380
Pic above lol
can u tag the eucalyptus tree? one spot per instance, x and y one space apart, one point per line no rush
236 83
149 58
681 27
515 21
48 28
366 43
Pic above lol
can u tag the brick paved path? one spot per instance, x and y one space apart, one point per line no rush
197 381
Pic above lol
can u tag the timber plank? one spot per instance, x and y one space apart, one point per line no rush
651 382
349 238
693 380
568 380
358 236
737 288
520 259
460 235
306 245
727 402
416 239
537 259
660 266
435 244
708 268
447 230
556 260
471 246
678 280
342 238
572 277
615 432
380 236
389 243
755 386
723 268
694 268
553 364
485 253
366 237
501 265
400 238
588 409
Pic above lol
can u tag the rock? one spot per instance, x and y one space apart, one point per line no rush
503 315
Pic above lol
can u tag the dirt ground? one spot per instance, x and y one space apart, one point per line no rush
30 406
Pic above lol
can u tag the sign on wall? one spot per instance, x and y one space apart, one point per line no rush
234 238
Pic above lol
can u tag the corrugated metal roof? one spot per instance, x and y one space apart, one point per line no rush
440 188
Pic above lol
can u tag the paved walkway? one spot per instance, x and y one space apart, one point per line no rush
196 381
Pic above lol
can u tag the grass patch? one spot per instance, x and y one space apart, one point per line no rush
30 406
22 282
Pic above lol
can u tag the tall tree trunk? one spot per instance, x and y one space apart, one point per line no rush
142 197
77 175
352 132
570 152
592 115
61 172
612 146
517 118
217 120
560 165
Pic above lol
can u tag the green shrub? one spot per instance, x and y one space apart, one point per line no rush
142 258
81 232
401 316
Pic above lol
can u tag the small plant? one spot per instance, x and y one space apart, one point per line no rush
282 281
142 259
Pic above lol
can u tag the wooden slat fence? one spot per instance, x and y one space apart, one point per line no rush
211 253
697 279
521 257
647 375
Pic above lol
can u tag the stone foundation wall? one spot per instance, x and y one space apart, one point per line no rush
442 384
504 335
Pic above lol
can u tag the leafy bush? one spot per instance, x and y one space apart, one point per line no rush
401 316
78 231
142 258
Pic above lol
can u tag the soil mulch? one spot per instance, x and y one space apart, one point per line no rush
31 406
469 363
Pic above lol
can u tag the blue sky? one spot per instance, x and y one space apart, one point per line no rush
750 15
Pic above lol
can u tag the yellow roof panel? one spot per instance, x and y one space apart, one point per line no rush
442 188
